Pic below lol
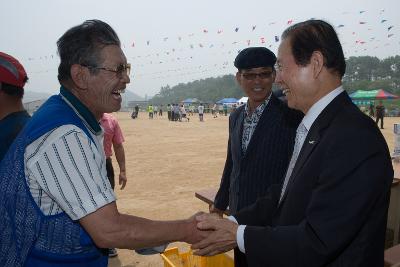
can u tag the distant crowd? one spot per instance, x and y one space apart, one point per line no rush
181 112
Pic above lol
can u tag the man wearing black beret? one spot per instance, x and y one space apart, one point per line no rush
261 137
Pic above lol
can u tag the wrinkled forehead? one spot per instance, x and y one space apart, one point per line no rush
112 54
284 50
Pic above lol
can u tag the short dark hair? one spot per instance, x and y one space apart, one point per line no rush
316 35
82 45
13 90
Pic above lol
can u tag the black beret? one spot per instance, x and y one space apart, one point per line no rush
255 57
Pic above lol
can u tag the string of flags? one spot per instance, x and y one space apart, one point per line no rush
165 49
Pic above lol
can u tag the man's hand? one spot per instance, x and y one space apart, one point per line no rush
221 239
193 234
122 179
214 210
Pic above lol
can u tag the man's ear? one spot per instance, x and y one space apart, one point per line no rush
80 75
317 61
238 80
273 76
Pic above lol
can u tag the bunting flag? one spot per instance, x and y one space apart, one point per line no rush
357 42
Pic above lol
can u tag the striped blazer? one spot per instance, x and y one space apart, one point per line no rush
246 177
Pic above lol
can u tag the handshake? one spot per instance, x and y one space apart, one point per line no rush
212 234
209 234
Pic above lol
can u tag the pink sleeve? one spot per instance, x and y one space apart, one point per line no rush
118 138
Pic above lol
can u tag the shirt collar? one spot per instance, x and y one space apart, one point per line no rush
81 110
259 108
319 106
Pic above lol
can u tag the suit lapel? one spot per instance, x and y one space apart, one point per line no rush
314 136
267 119
237 133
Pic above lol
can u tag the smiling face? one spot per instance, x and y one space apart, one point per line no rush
296 81
256 83
104 87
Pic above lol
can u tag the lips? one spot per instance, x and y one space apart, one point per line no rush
285 91
257 89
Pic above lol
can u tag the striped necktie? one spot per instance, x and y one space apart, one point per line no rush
301 134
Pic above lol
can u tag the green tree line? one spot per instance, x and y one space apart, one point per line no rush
365 73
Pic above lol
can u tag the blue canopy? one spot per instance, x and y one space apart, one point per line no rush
227 100
191 101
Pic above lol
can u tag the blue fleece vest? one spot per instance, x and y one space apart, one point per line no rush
27 236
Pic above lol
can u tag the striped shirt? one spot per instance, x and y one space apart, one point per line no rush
65 171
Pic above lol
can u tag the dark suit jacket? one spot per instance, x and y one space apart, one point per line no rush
335 208
248 176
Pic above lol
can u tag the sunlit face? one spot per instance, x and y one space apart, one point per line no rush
294 80
256 83
105 87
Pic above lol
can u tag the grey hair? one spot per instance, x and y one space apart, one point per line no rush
82 44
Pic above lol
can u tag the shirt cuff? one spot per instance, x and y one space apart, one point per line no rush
239 234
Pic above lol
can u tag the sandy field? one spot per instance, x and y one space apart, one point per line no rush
167 162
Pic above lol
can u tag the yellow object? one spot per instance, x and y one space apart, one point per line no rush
172 258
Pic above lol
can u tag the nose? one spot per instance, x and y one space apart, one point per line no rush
126 79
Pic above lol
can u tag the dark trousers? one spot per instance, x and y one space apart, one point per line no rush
377 120
110 172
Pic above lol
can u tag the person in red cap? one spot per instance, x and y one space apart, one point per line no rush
13 116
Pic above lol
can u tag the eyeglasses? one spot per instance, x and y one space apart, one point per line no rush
261 75
119 70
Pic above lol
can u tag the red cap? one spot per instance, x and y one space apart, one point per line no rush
11 71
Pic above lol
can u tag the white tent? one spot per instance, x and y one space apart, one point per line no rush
243 100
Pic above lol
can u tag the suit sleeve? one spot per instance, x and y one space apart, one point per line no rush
261 212
350 190
222 197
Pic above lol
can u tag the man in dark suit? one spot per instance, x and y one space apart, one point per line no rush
261 137
332 208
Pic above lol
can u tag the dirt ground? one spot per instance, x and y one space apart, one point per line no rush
167 162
